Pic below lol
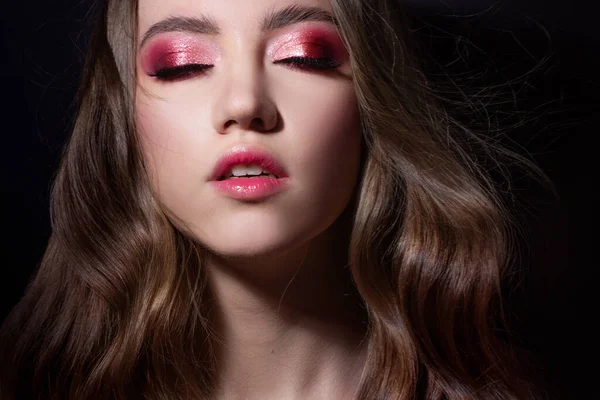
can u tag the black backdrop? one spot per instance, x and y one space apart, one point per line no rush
42 50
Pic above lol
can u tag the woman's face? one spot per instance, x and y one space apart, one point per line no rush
252 79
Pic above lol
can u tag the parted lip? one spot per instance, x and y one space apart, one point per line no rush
247 155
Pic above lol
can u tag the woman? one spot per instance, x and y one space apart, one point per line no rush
263 200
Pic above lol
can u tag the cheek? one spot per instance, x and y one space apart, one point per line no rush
325 145
330 138
173 155
171 146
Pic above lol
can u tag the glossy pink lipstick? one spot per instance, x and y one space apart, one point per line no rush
251 188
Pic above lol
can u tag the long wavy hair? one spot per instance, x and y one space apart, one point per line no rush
116 310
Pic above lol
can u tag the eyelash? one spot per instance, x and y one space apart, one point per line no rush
181 71
320 64
302 63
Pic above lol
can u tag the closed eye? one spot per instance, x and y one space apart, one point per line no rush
322 63
180 71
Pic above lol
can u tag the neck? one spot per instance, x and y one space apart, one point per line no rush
288 325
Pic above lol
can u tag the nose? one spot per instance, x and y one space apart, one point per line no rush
242 101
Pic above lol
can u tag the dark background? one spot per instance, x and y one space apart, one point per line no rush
547 49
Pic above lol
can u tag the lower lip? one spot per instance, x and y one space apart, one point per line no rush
251 188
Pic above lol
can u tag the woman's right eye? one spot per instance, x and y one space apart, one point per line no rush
180 72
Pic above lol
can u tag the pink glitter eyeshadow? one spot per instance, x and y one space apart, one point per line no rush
177 50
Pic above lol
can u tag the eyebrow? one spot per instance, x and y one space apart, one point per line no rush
273 19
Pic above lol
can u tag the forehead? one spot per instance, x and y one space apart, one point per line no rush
228 14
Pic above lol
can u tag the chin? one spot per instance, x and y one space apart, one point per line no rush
254 232
244 242
256 247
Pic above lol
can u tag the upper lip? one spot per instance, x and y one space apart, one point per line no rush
247 155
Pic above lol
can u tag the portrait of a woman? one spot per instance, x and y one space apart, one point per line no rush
265 200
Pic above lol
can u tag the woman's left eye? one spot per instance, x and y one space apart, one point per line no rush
323 63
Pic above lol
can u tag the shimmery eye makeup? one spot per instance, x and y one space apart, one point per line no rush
304 49
176 55
322 46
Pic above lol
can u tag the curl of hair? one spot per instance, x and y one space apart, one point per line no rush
115 309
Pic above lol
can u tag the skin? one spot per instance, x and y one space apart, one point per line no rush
285 311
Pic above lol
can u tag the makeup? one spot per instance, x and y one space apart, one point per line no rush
177 50
308 42
250 189
273 179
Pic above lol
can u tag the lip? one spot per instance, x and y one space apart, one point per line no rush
255 188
